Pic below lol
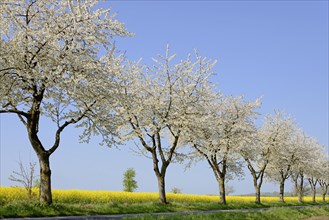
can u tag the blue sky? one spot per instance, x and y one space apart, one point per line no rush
274 49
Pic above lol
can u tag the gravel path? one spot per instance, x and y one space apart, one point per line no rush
121 216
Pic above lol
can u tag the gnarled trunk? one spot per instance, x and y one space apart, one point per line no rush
299 187
282 191
300 191
257 179
257 186
45 180
257 193
296 187
45 196
222 194
324 189
313 187
32 126
162 189
313 195
300 196
160 174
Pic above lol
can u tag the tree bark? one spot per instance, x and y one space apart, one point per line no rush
296 189
32 125
300 188
222 195
257 193
162 189
313 183
282 191
324 189
45 196
300 191
160 174
257 179
313 194
300 196
257 186
45 180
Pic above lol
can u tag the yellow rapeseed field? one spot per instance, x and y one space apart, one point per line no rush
9 194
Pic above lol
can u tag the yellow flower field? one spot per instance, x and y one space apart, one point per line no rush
9 194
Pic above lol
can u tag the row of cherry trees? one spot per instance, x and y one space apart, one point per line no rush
50 68
174 106
279 150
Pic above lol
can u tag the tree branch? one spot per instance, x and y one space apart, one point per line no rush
63 126
158 139
172 149
200 151
8 68
136 128
15 111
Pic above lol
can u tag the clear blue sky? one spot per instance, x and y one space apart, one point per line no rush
274 49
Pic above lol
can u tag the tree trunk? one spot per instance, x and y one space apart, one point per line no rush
30 193
296 188
282 191
162 189
257 187
45 180
313 193
300 196
300 190
160 176
257 179
45 196
222 196
324 189
257 193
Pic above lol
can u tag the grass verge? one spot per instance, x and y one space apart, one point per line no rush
277 213
24 208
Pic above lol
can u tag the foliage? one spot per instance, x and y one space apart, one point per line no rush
156 105
49 54
219 134
279 131
306 190
50 68
129 182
